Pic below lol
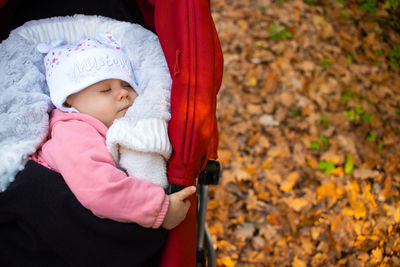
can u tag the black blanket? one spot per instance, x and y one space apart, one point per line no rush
42 224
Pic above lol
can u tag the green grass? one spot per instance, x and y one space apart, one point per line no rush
326 166
324 121
371 137
325 63
324 140
347 96
369 6
278 32
315 145
394 56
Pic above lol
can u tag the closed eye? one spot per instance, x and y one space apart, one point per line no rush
106 90
126 85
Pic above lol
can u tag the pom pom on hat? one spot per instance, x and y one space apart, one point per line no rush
73 67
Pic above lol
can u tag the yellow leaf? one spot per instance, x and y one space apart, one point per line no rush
348 211
267 163
326 191
358 207
298 262
273 176
224 155
370 199
316 231
339 191
227 261
242 175
253 139
396 246
271 82
332 156
338 171
254 109
306 111
355 186
212 204
307 246
251 169
329 191
297 204
227 177
376 256
363 256
388 187
263 142
243 24
289 182
312 162
279 151
252 81
327 31
318 20
397 215
222 215
216 229
251 201
263 195
239 220
364 242
224 245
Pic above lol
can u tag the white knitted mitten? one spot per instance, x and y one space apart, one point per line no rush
141 148
145 165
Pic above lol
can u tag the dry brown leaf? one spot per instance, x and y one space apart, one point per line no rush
279 96
245 231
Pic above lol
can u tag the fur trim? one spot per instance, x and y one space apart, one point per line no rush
24 105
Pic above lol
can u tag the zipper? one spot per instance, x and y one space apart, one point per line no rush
191 83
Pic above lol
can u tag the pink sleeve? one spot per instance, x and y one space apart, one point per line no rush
80 154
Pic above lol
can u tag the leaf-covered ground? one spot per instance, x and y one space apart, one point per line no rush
309 117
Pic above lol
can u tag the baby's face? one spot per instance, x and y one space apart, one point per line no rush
106 100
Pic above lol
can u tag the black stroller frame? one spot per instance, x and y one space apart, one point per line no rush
206 255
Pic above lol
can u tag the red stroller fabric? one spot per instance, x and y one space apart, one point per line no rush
190 43
191 46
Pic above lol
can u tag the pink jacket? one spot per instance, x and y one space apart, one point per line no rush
77 150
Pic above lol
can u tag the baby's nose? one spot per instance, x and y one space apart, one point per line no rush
122 93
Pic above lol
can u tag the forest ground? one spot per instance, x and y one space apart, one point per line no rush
309 120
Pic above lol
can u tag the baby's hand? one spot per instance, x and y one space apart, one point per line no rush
178 207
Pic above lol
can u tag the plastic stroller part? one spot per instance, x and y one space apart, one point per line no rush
209 176
173 188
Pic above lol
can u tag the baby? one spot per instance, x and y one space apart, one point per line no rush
92 85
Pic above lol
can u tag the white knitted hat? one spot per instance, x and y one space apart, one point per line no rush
73 67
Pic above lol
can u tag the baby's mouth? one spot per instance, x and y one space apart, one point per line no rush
124 108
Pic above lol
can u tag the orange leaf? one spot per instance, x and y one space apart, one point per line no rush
273 219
